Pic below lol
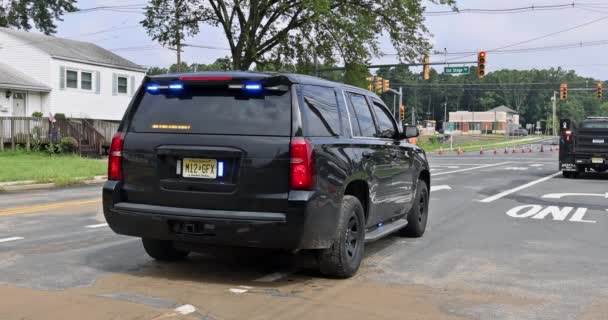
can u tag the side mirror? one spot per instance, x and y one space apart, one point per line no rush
410 131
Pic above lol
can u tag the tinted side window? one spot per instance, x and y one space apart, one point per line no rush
320 111
363 115
386 126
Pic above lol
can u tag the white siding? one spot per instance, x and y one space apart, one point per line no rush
25 58
5 108
33 103
87 104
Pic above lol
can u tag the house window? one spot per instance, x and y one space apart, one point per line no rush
86 81
122 85
71 79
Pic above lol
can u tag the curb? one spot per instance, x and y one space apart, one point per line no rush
31 185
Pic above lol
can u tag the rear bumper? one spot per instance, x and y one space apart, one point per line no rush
300 227
573 161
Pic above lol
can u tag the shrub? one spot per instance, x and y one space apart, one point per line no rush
37 114
59 116
68 144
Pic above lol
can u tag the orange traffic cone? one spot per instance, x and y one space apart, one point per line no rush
542 149
459 150
551 149
523 150
506 151
481 150
529 149
514 150
495 151
440 151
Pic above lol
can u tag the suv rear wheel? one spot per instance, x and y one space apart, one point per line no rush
344 257
418 215
163 250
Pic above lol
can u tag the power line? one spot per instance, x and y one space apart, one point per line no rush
505 10
536 38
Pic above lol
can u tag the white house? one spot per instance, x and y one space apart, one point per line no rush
54 75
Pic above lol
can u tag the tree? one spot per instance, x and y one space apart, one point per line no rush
310 30
170 21
21 13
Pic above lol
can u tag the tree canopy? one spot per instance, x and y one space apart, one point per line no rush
21 14
287 31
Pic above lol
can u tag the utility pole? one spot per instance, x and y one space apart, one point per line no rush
400 103
554 99
179 40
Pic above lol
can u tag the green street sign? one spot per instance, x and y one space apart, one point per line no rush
456 70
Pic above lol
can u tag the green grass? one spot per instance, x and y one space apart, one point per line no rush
42 168
475 145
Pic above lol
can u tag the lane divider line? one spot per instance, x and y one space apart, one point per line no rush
11 239
510 191
469 169
437 188
48 206
95 226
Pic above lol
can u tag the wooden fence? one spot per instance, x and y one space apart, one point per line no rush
92 134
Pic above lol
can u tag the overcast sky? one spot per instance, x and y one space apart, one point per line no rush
120 31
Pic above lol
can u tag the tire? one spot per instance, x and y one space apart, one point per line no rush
343 258
566 174
418 216
163 250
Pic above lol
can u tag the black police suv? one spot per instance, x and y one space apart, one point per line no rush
583 147
265 160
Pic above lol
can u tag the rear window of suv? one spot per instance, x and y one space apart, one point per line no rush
595 124
320 115
214 111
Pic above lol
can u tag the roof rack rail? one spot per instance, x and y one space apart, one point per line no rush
597 118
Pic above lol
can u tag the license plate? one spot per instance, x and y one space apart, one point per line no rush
199 168
597 160
598 140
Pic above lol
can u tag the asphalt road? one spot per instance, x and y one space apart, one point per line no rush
508 238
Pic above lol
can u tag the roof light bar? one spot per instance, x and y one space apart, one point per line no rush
176 86
253 86
205 78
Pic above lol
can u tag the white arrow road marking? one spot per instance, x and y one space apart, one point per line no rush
11 239
185 309
437 188
95 226
240 289
561 195
527 185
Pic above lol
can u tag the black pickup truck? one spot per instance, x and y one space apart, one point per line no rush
584 147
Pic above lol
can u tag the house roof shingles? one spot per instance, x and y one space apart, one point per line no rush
72 50
13 79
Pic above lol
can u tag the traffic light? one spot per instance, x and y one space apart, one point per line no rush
600 89
481 65
402 110
369 84
427 68
563 91
379 84
386 85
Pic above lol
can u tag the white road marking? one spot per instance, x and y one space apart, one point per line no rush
95 226
11 239
516 168
536 165
527 185
535 211
437 188
185 309
469 169
273 276
240 289
561 195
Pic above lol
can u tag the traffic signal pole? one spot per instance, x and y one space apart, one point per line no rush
554 112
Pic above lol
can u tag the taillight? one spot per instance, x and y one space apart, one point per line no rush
568 135
115 159
302 165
